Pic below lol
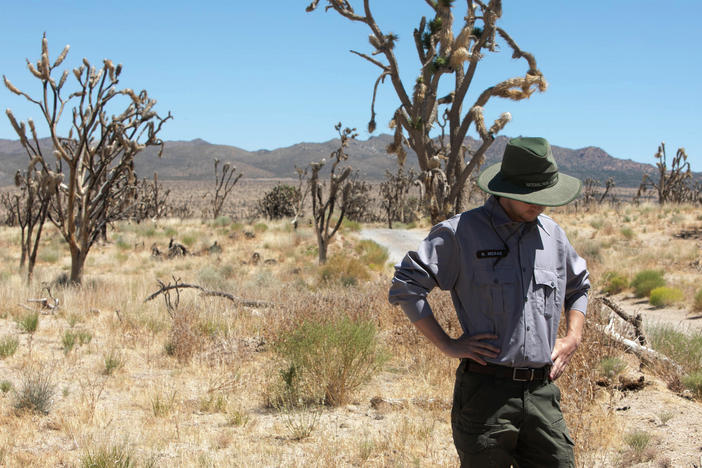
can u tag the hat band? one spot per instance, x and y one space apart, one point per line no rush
550 182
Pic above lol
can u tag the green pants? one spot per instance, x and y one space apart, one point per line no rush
498 422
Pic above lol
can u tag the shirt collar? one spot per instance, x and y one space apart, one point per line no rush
500 218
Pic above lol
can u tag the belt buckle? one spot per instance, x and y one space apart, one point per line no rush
517 379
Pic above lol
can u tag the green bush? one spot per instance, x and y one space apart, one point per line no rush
647 280
279 202
29 323
697 303
8 346
68 341
665 296
612 366
372 254
116 456
638 440
326 362
347 271
5 386
614 282
222 221
694 383
627 233
114 360
683 348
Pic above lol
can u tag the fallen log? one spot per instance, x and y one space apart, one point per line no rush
207 292
644 353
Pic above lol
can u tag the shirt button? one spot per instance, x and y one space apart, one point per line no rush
528 328
526 299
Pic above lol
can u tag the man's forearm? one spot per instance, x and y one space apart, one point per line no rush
430 328
575 321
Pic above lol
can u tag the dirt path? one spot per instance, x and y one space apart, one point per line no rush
397 241
680 318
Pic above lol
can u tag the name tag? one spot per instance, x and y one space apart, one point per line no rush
494 253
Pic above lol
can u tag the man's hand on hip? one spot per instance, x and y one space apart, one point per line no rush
473 347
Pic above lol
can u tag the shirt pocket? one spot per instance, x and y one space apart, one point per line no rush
546 292
495 293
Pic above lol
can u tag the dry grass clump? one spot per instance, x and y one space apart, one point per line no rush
8 346
36 391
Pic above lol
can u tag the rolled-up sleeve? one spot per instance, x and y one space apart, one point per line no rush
577 282
432 265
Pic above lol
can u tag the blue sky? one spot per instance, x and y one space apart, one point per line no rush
623 75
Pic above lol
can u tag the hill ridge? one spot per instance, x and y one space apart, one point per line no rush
193 160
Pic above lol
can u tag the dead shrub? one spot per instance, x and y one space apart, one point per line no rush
184 339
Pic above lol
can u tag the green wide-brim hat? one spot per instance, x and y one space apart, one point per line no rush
529 173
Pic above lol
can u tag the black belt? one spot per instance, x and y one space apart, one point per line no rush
517 374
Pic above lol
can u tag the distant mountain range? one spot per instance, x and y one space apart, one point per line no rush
193 160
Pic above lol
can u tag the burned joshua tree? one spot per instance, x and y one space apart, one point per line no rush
446 163
108 127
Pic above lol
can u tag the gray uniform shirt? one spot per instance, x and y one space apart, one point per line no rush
506 278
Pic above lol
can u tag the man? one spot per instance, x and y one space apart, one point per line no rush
510 270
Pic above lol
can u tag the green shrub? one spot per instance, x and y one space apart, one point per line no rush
590 249
372 254
647 280
694 383
71 338
28 323
122 244
612 366
665 296
627 233
162 405
697 303
8 346
222 221
350 225
68 341
347 271
36 393
260 227
328 361
113 361
638 440
189 240
279 202
614 282
5 386
115 456
683 348
597 223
